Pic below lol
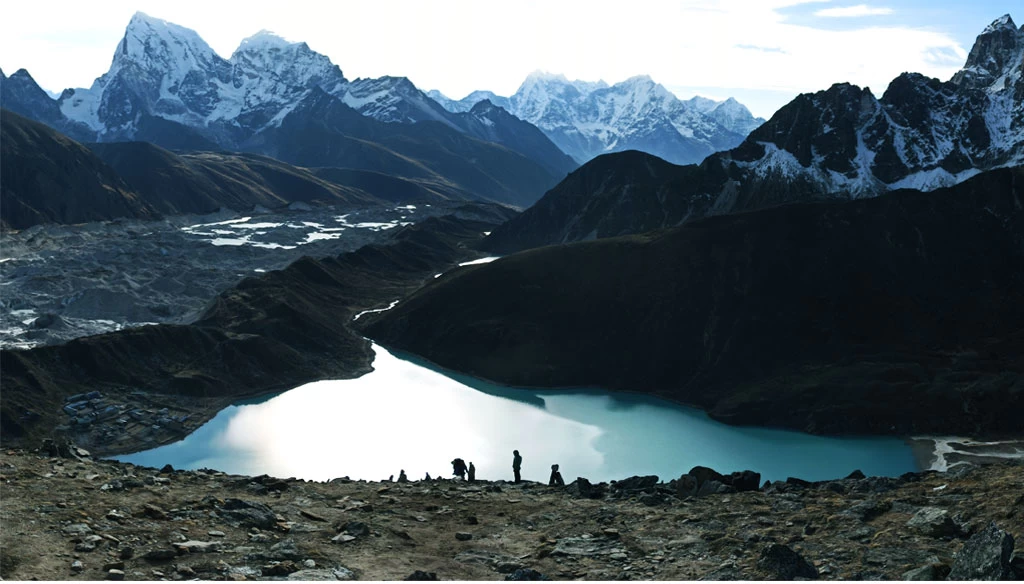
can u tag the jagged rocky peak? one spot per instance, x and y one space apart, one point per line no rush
266 54
152 42
997 49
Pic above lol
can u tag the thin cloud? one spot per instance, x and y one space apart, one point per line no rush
853 11
762 49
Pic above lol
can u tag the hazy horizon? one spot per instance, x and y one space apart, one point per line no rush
763 53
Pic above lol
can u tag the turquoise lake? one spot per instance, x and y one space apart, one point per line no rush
407 415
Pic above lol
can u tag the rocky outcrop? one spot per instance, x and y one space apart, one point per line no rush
986 556
204 524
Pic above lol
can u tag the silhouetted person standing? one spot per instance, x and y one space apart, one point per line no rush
556 477
401 476
517 464
472 472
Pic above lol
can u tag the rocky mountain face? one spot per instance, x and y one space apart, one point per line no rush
48 177
841 143
167 86
896 314
587 119
922 133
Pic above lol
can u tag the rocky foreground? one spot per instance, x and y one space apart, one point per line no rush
74 518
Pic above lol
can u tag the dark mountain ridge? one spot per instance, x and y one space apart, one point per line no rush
48 177
896 315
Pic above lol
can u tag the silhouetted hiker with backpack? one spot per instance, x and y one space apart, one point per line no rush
459 468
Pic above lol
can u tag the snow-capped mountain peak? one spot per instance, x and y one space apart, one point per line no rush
264 40
589 118
151 42
271 70
1003 22
998 48
544 76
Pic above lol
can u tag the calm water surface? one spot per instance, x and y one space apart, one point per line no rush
406 415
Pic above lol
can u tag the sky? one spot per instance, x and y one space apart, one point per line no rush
763 52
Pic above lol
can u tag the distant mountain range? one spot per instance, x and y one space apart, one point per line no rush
587 119
841 143
165 85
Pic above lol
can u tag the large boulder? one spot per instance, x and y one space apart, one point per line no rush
986 556
581 487
934 522
780 562
746 480
704 474
714 488
685 486
248 513
635 483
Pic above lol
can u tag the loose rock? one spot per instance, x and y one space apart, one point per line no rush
934 522
986 556
782 563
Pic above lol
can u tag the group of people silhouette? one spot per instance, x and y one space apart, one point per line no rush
468 473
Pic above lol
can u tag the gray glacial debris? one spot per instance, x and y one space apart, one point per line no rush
62 282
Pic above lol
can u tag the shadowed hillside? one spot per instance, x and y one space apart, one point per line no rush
899 314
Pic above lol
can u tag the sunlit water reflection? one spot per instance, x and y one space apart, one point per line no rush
407 415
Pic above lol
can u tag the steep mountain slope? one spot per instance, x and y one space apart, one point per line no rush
840 143
167 86
588 119
897 314
323 131
201 182
48 177
614 194
20 94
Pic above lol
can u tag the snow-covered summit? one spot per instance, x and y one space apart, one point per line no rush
589 118
1003 22
264 40
167 71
